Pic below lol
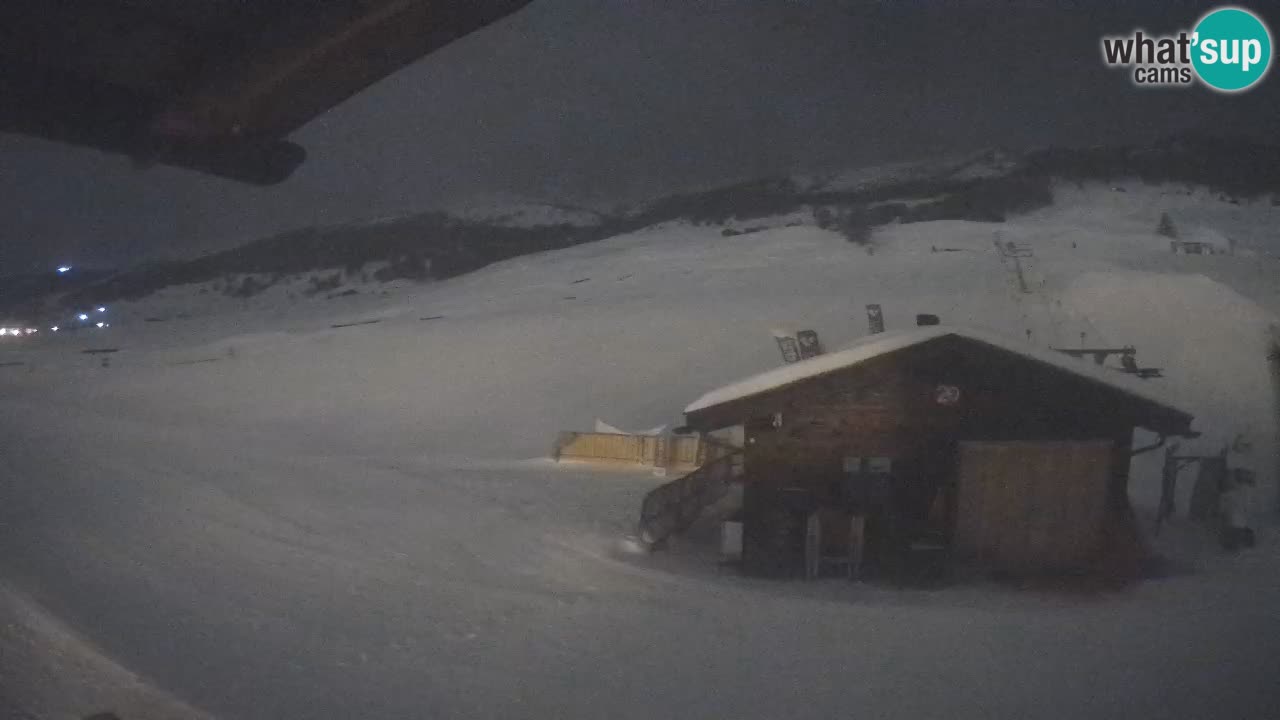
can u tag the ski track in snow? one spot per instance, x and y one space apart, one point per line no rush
271 518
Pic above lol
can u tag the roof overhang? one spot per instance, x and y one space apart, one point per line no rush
215 86
723 406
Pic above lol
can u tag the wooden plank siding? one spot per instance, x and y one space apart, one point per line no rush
1028 506
600 447
888 407
675 452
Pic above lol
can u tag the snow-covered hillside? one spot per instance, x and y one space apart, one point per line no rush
506 211
525 214
965 166
633 327
355 519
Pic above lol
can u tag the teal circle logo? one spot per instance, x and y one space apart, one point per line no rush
1231 49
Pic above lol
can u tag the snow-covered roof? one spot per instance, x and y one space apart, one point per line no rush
874 346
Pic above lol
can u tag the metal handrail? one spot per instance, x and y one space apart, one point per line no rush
673 506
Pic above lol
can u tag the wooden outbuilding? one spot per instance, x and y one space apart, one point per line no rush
988 449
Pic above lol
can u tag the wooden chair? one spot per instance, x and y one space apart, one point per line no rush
847 563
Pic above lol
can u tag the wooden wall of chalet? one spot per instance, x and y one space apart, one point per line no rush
888 407
1032 506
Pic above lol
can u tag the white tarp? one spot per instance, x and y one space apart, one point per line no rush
604 427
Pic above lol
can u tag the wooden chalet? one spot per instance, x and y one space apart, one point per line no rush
952 441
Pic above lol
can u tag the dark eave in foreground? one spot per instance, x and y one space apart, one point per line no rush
215 86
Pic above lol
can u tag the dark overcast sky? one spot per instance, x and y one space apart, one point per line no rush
602 101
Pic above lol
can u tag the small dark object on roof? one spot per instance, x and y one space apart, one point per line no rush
432 317
581 280
353 324
1130 365
1100 355
99 351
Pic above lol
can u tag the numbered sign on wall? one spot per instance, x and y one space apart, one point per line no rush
947 395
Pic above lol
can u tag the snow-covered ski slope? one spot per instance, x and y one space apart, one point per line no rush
270 517
635 327
509 211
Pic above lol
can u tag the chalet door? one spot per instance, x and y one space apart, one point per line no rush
1032 506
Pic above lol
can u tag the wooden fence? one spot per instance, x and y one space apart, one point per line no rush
665 451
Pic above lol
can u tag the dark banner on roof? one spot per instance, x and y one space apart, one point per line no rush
788 345
810 345
875 319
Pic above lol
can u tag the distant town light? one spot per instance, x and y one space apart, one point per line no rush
102 324
82 316
102 309
30 330
54 328
64 268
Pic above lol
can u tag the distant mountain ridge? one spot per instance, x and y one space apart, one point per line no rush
986 186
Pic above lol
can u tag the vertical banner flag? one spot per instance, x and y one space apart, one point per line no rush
787 345
875 319
810 345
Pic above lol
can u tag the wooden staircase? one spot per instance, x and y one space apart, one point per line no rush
672 507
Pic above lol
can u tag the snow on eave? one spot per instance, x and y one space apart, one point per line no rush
881 344
861 351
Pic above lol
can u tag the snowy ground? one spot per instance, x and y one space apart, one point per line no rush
259 515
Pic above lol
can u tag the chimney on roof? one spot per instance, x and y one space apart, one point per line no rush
925 320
